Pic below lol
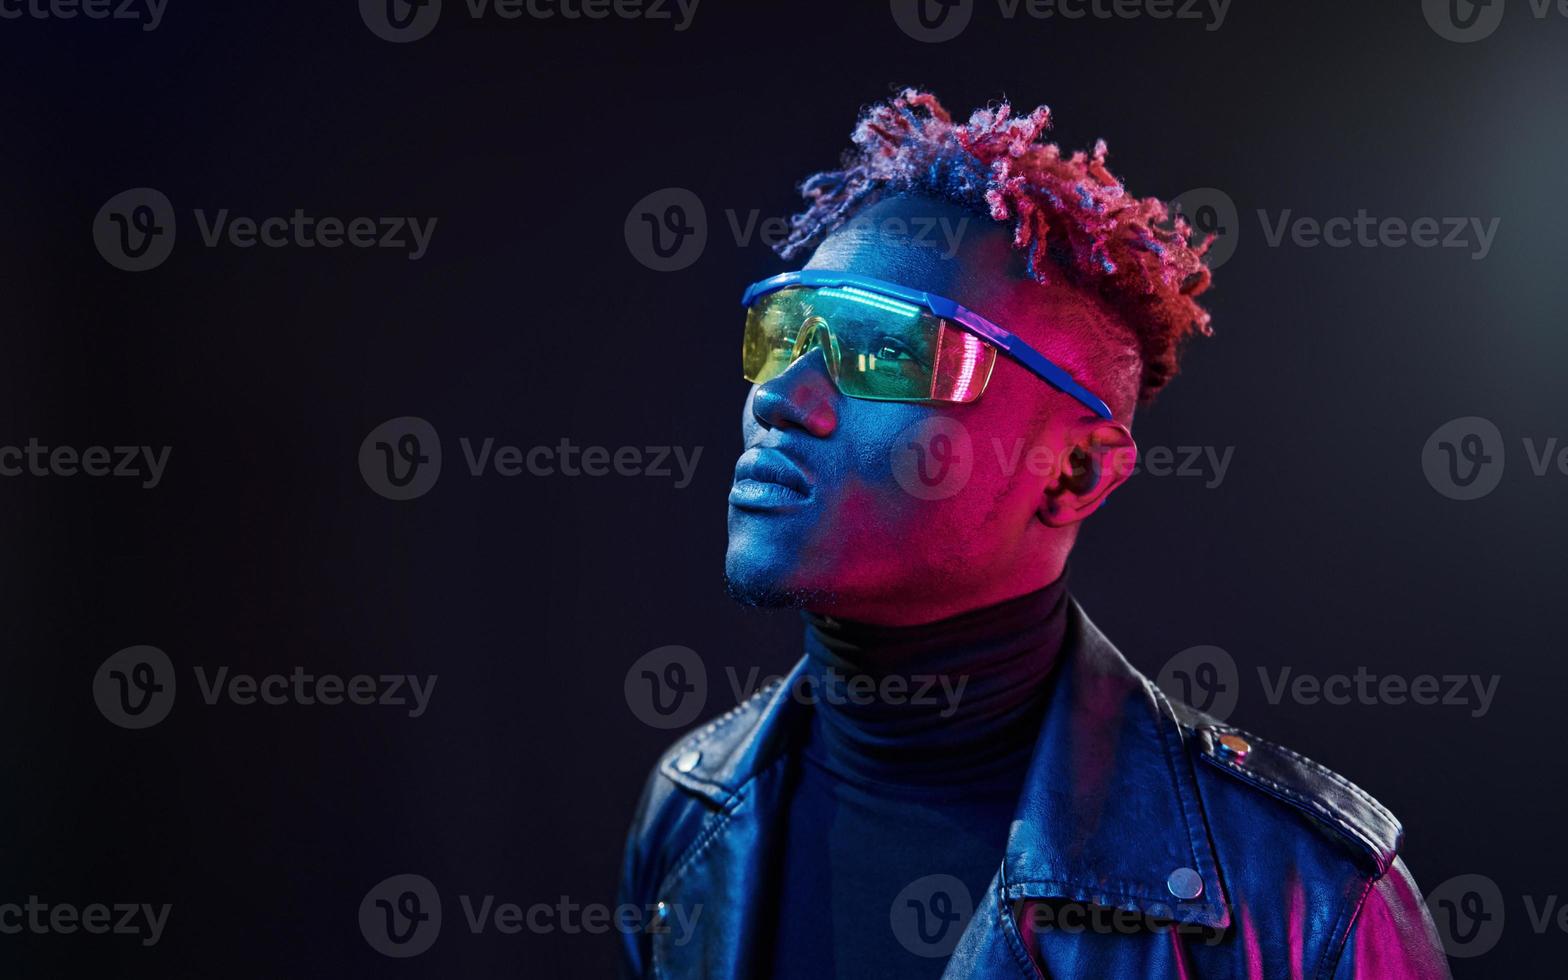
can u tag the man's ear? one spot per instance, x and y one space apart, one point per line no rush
1094 464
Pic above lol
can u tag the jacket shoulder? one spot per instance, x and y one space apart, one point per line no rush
709 755
693 774
1323 795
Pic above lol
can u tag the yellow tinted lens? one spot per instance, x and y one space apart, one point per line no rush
772 326
876 347
884 344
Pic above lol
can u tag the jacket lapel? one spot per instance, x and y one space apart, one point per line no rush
724 879
1109 816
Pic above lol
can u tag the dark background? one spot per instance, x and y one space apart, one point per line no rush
530 320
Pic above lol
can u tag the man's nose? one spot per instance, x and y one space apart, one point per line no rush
803 396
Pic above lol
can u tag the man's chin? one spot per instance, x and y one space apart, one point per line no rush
763 590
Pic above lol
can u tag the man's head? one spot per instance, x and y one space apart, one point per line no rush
908 512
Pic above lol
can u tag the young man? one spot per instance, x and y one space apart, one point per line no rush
963 777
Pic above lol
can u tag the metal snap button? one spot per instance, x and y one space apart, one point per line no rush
1184 883
688 761
1233 747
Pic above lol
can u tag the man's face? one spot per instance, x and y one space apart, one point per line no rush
903 513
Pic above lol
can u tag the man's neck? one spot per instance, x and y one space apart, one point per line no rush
957 699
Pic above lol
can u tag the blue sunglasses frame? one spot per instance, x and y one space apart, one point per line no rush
1005 341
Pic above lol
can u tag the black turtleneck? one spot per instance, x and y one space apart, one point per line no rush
918 745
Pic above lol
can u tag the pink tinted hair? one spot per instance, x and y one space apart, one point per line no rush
1069 214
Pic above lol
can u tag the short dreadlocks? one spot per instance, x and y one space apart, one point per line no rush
1069 214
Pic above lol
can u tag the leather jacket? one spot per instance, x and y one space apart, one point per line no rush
1149 841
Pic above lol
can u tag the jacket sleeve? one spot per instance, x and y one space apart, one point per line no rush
630 891
1392 936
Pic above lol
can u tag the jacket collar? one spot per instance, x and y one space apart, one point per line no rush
1109 813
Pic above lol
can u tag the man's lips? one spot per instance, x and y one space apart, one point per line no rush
766 478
